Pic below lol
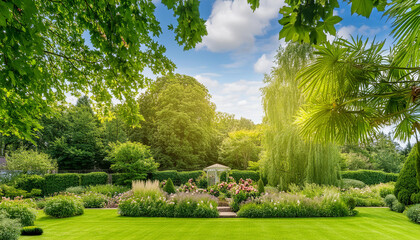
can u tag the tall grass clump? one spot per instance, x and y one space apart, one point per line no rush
147 189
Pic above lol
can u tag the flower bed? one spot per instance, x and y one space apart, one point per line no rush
295 205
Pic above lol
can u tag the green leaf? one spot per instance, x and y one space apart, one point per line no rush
362 7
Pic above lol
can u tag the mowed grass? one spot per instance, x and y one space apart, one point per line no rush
95 224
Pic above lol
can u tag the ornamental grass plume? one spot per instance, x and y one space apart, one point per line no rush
147 188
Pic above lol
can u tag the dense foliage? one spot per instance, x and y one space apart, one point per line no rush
31 231
45 48
95 178
290 159
16 209
413 213
55 183
240 147
62 206
177 124
407 183
9 228
370 177
30 161
134 160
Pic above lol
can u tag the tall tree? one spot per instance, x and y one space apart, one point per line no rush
178 122
241 147
289 159
45 54
80 147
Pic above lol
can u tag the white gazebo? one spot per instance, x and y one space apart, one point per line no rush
214 172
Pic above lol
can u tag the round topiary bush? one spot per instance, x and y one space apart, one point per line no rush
169 187
413 213
62 206
407 182
398 207
32 231
389 199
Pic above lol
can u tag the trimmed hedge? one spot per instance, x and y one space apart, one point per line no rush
29 182
165 175
370 177
407 182
55 183
185 176
95 178
244 174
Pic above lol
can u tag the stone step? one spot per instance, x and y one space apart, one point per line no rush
227 215
224 209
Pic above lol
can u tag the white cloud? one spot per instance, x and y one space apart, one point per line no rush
232 25
346 31
264 63
242 98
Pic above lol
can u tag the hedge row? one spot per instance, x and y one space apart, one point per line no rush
244 174
177 178
370 177
59 182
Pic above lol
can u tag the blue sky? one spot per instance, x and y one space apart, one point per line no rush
240 46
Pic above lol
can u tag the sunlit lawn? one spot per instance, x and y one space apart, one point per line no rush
370 223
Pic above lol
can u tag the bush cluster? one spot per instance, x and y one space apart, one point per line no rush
370 177
392 202
32 231
177 178
12 192
291 205
242 174
62 206
179 205
94 200
9 228
108 189
413 213
19 210
351 183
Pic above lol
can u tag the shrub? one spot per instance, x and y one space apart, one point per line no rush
415 197
179 205
169 187
125 179
389 199
370 177
351 203
165 175
94 200
55 183
62 206
29 182
40 204
352 183
292 205
244 174
133 159
95 178
108 189
202 181
30 161
413 213
397 206
385 191
32 231
407 183
76 190
261 186
9 229
11 192
184 177
19 210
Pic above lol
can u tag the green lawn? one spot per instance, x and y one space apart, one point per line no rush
370 223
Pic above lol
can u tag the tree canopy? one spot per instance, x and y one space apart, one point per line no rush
45 54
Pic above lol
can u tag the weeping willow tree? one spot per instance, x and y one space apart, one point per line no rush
288 158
